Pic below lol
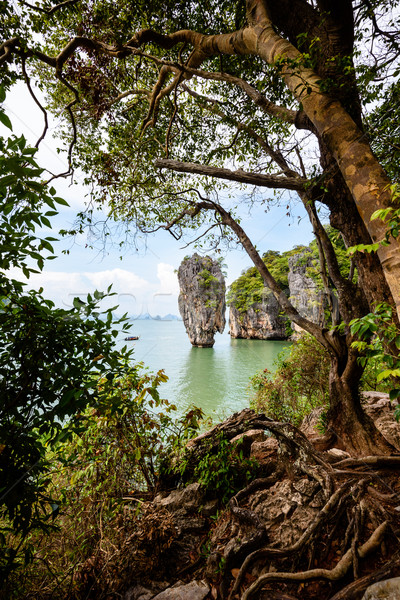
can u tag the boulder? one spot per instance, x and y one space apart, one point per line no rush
287 509
383 590
140 592
188 498
247 439
262 451
381 410
195 590
335 454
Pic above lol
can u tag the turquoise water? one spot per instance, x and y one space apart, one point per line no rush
214 379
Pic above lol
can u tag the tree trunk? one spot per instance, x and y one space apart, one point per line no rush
345 217
354 430
362 173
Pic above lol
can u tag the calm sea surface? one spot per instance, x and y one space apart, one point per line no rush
214 379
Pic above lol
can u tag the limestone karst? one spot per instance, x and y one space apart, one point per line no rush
202 299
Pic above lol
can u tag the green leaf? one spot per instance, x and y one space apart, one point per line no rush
61 201
386 373
5 120
381 213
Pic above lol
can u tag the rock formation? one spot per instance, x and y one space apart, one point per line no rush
261 321
304 292
201 299
303 502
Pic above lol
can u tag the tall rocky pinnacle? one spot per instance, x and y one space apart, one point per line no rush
201 299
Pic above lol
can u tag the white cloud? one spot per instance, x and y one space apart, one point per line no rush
123 281
133 294
168 279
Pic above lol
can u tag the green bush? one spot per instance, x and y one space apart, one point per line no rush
299 384
101 478
301 380
222 471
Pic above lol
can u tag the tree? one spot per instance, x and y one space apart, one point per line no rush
199 88
53 362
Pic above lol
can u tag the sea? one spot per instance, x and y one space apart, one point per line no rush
213 379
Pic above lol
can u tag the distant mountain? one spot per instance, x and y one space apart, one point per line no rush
148 317
170 317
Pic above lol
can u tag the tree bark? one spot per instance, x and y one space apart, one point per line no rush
354 430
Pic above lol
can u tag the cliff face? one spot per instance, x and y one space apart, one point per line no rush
261 318
261 321
304 292
202 299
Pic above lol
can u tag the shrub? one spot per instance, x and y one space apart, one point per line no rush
102 476
301 380
299 384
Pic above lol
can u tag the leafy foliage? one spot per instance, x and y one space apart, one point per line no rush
102 477
50 359
222 471
250 289
379 341
299 384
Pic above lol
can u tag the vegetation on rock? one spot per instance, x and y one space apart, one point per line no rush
249 288
201 298
300 381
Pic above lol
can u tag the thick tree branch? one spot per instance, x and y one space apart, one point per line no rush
294 117
269 181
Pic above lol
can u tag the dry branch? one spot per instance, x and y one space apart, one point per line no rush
370 461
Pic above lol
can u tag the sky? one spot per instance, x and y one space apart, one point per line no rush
143 279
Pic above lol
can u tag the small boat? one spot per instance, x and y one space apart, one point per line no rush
131 338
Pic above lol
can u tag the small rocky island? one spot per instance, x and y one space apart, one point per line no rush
202 299
254 312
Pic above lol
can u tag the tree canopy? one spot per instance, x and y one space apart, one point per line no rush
164 104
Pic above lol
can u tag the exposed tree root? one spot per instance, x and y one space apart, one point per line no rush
370 461
356 588
353 494
350 510
337 572
268 552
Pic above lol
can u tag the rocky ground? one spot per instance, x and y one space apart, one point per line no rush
312 525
